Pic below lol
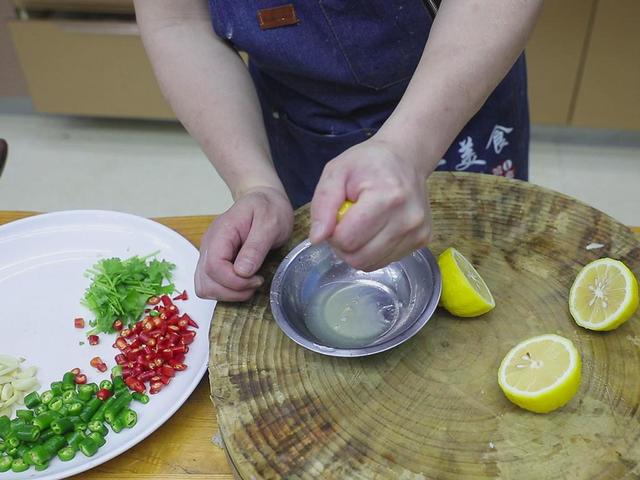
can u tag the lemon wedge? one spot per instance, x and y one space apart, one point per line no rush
541 374
346 205
464 292
604 295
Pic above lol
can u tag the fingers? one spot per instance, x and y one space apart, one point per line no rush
398 238
236 244
360 225
261 238
330 193
215 276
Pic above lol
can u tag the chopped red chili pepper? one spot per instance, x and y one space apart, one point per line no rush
95 361
118 325
78 322
188 337
155 387
192 322
80 379
121 343
182 296
166 301
167 371
103 394
75 371
121 359
102 367
153 300
93 339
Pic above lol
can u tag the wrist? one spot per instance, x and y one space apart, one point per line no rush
257 184
422 151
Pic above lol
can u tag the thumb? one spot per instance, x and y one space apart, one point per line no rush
327 199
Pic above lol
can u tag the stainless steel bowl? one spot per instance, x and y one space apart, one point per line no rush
406 292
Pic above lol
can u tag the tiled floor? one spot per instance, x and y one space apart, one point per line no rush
156 169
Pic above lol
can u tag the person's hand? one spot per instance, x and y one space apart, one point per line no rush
391 216
236 243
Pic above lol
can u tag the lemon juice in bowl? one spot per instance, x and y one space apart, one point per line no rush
351 315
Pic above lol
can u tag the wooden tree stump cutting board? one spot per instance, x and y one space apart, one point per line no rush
432 408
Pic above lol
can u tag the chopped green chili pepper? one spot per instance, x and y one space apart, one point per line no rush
12 441
5 426
89 447
122 401
26 455
118 384
55 404
27 433
67 453
47 396
18 465
106 384
46 435
16 422
42 467
13 452
69 381
99 415
117 426
40 455
97 426
69 396
3 447
94 387
85 392
116 371
99 439
40 409
26 415
5 463
75 408
140 397
90 408
32 400
56 388
54 444
80 427
61 425
74 439
128 418
64 411
21 450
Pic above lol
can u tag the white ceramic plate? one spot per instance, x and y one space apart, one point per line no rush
42 265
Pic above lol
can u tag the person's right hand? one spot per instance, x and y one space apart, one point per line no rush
237 242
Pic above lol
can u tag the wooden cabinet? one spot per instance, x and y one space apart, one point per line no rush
91 68
554 57
583 62
608 93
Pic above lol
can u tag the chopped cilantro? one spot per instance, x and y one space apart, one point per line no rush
120 289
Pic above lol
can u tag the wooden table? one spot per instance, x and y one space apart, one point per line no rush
182 448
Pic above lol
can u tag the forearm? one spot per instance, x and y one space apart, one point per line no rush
209 89
471 47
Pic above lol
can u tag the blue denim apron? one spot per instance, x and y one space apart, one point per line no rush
330 81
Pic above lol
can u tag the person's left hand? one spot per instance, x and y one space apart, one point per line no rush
391 216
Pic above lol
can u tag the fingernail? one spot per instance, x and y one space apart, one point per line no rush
244 266
257 282
315 231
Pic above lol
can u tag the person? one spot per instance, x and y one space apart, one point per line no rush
342 100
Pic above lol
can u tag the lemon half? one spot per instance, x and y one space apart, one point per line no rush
604 295
541 374
342 211
464 292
